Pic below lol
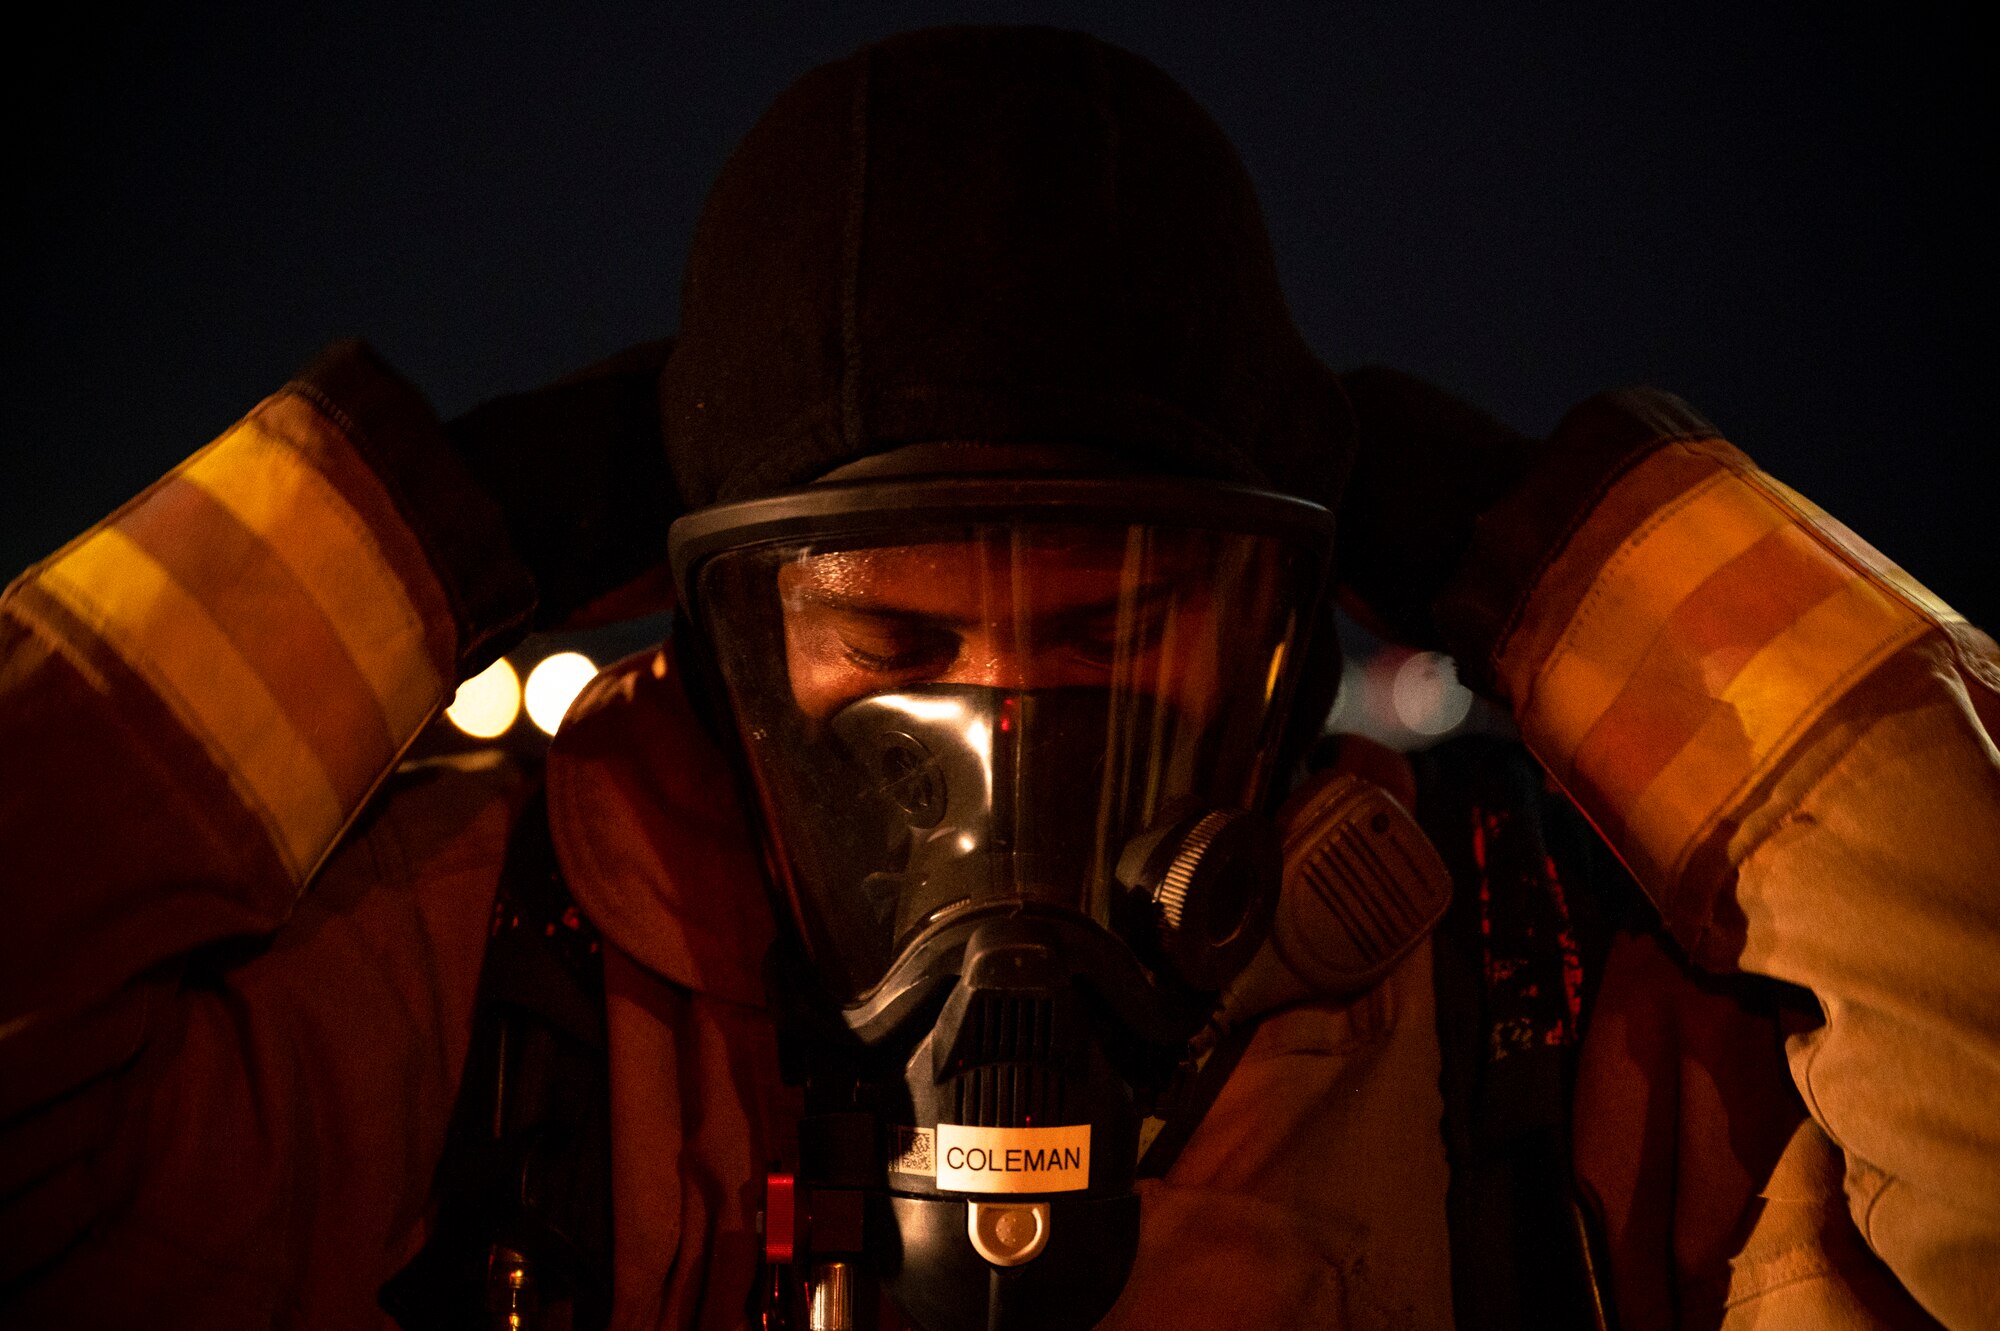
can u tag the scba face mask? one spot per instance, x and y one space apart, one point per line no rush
1010 740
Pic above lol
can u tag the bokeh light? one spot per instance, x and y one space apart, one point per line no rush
1427 695
553 686
486 705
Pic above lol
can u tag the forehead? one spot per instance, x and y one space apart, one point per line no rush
973 557
1046 567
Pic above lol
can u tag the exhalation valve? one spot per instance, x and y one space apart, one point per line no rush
1209 881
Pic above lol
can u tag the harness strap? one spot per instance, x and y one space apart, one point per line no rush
522 1192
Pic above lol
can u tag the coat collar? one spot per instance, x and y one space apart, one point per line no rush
652 838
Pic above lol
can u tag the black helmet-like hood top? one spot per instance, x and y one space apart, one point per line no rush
994 235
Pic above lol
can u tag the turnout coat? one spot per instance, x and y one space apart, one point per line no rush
243 937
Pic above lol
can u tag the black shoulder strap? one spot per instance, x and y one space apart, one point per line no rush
523 1190
1516 961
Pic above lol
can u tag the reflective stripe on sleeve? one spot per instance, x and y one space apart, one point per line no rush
1718 631
250 595
257 475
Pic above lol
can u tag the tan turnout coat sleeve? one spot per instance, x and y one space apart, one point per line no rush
1790 743
222 1096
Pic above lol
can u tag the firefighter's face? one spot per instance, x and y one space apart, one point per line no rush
1000 612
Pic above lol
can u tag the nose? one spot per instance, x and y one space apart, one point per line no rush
985 658
1000 661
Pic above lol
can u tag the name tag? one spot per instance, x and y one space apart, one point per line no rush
1013 1159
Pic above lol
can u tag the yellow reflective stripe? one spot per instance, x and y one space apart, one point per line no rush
1653 573
1777 694
1722 628
270 488
166 634
1859 551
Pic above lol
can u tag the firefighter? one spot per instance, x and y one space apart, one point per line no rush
949 875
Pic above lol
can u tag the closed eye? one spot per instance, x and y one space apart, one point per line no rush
1101 636
893 645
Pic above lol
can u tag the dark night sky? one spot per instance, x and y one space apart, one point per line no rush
1773 215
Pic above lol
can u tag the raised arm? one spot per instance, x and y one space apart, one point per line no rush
1789 742
221 1093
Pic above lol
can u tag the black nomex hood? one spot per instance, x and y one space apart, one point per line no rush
991 235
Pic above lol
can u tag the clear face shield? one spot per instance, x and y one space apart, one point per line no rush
1010 740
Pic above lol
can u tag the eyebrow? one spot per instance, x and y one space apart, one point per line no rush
843 603
859 605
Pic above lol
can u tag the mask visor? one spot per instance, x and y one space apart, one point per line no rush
951 706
